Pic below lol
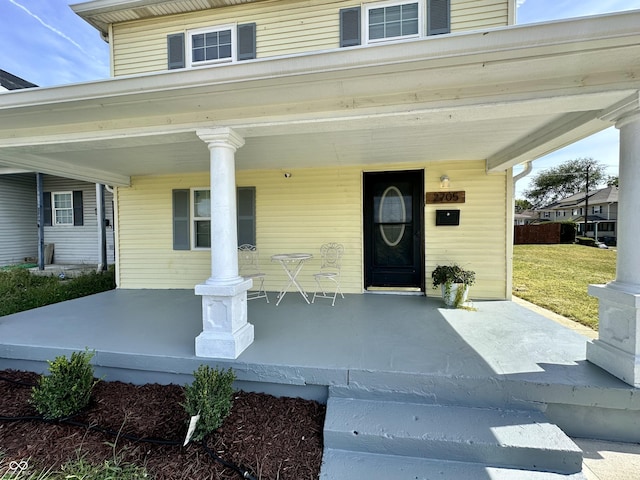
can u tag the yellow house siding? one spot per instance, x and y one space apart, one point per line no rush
314 206
147 258
477 14
282 28
300 213
480 242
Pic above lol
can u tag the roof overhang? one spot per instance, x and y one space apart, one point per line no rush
101 13
503 95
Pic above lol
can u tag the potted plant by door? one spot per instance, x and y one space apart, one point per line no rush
454 282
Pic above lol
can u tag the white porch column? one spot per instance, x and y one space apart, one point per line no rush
226 332
617 349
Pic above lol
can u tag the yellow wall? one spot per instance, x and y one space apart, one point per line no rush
473 14
314 206
283 27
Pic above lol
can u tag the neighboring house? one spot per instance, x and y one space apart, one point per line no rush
602 213
11 82
70 219
525 217
390 127
18 218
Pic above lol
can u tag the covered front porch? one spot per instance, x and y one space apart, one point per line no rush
502 355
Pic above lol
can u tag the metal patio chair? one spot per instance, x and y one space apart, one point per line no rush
249 267
329 274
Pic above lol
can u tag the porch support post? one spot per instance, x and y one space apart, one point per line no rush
40 208
102 229
226 332
617 348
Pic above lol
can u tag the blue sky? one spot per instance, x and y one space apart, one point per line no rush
45 42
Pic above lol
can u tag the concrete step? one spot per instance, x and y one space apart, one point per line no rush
340 464
493 437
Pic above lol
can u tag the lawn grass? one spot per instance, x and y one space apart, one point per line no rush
556 277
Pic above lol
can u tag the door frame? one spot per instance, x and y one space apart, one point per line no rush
420 220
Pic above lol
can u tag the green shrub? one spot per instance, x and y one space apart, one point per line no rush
67 388
211 396
21 290
589 242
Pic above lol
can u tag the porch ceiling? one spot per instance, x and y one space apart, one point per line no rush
505 96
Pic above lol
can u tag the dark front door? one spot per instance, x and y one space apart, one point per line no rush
393 229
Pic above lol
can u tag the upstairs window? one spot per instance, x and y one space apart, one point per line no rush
207 46
393 21
211 45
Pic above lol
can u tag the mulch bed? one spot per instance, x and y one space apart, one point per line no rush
271 438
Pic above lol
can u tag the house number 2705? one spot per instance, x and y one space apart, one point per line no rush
445 197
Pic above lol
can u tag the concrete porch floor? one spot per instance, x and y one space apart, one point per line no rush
502 354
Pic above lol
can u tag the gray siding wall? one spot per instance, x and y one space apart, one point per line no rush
18 218
79 244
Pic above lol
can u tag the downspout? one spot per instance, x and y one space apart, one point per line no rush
510 238
114 201
528 166
102 226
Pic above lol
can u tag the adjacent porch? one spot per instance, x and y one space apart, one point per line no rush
501 355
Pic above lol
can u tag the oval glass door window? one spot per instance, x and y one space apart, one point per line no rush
392 216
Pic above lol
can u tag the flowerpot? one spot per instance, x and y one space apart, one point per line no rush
451 296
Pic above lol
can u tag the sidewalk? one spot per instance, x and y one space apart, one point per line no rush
602 460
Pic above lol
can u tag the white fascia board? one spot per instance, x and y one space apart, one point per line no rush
49 166
550 138
554 136
492 45
11 171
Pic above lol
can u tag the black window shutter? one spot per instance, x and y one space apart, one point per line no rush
247 41
78 212
349 27
175 51
181 237
246 215
439 17
46 206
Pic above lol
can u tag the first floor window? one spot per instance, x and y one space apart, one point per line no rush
192 218
63 208
201 219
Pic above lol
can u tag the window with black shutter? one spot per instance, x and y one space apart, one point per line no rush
350 27
78 208
247 41
439 17
46 207
175 51
192 217
181 221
